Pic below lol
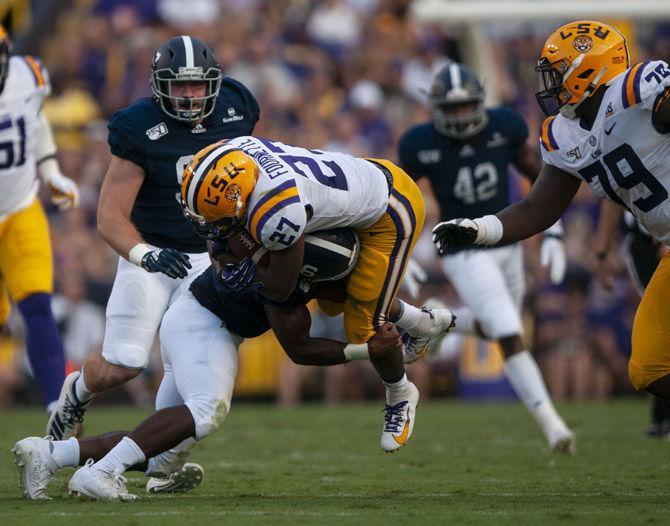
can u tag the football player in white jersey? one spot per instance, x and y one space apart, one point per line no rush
26 268
279 193
608 125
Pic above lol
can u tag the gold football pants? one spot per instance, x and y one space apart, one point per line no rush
650 358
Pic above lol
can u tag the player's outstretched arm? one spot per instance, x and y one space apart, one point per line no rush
548 198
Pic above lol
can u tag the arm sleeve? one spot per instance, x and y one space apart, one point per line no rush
45 146
123 140
282 228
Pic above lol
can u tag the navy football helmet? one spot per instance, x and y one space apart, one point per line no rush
185 59
4 57
457 99
330 254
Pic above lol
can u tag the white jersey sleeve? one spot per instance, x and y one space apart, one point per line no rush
283 228
277 216
645 82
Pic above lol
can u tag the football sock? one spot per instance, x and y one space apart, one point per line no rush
65 452
525 377
43 345
80 389
397 391
123 455
410 316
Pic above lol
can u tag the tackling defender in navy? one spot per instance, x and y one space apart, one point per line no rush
139 212
199 337
465 153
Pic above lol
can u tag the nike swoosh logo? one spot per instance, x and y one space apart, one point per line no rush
402 437
607 132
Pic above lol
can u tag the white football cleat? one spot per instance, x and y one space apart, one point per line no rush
36 466
187 478
564 442
95 484
67 418
399 421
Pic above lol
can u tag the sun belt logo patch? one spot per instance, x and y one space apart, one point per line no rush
582 43
157 131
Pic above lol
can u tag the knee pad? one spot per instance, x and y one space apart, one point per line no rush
207 415
128 355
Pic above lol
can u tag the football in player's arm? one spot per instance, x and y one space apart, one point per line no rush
608 126
197 385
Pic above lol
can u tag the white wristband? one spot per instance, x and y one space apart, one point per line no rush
489 230
136 253
356 351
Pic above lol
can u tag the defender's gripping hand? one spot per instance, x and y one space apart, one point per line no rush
238 277
385 341
455 233
169 261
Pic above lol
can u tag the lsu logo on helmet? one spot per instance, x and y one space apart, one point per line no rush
577 59
215 189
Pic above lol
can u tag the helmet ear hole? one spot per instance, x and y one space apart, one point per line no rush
586 74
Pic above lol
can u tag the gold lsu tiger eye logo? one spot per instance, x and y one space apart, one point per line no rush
233 192
582 43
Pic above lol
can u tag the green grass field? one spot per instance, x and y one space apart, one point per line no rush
465 464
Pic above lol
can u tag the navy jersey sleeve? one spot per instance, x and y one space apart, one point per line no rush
516 127
123 140
250 102
408 147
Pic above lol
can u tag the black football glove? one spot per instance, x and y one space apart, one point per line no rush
456 233
169 261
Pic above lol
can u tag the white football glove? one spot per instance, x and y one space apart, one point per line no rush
414 277
64 191
552 253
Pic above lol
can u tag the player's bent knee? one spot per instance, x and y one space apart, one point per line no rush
207 415
127 355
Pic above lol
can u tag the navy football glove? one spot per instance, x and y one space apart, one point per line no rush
456 233
169 261
239 277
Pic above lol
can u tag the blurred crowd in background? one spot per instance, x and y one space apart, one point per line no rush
346 75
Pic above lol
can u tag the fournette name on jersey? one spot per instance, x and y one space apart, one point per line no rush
338 190
469 178
162 147
21 100
623 156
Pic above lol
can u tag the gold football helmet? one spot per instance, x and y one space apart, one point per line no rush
577 59
4 57
215 189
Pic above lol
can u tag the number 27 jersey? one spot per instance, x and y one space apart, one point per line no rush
624 156
300 191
